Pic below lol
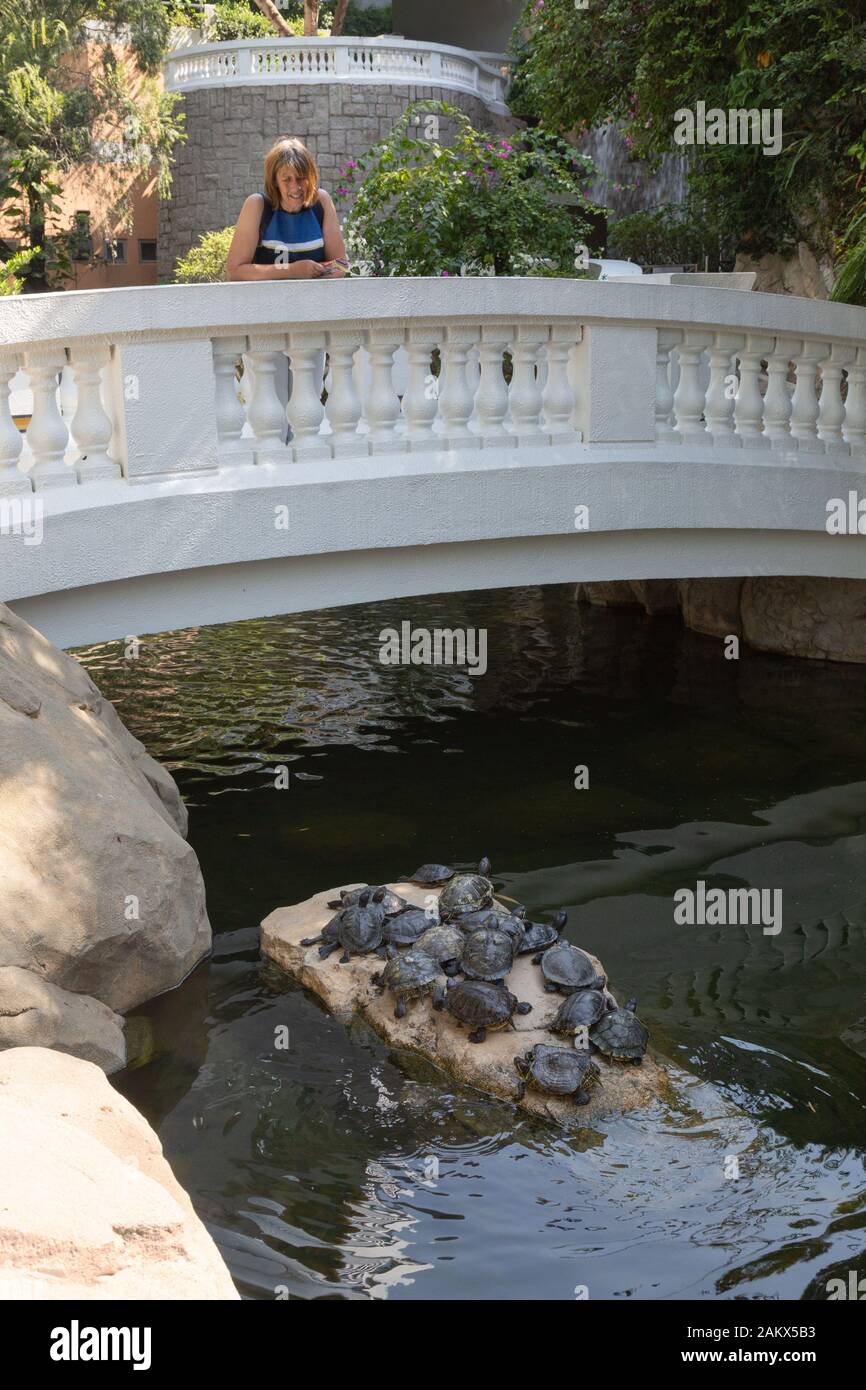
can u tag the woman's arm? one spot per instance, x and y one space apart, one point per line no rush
239 264
335 247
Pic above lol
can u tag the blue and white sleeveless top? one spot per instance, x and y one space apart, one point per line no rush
295 236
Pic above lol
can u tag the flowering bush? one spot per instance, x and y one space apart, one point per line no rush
500 206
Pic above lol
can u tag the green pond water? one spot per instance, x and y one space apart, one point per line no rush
337 1169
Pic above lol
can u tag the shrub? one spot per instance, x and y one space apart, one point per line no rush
428 209
205 263
11 281
235 19
671 235
232 19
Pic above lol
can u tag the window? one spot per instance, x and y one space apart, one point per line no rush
114 251
146 252
82 241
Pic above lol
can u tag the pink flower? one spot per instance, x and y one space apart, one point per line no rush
443 272
342 192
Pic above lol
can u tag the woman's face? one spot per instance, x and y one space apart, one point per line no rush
291 187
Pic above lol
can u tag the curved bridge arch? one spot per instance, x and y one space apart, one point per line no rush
634 431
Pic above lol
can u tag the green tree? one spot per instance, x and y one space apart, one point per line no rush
640 61
59 113
506 206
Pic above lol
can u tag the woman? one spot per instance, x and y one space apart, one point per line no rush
290 232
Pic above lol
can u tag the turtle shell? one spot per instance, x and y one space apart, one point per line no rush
391 903
537 937
579 1010
488 954
569 968
430 874
442 942
360 930
620 1034
410 974
480 1004
465 893
405 928
562 1070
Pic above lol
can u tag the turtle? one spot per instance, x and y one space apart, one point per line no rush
559 1070
539 935
444 943
359 928
429 875
480 1004
488 916
408 975
392 902
488 954
330 933
579 1010
405 928
620 1035
466 893
566 968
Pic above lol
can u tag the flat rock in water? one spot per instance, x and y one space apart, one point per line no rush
347 989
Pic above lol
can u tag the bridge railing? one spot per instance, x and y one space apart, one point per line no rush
160 382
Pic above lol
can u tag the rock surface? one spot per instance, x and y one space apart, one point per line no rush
348 989
799 273
89 1208
102 896
34 1013
821 619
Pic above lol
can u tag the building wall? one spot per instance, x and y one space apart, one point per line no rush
231 128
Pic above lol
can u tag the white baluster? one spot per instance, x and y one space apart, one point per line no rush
689 395
667 341
455 397
749 403
266 413
524 397
491 401
11 444
831 411
420 399
305 409
67 396
804 404
229 412
854 428
557 396
719 405
576 381
91 427
383 403
344 403
777 402
47 435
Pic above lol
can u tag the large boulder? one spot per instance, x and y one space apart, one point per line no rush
34 1013
89 1208
102 895
711 606
824 619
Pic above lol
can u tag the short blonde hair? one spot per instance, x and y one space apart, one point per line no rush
290 153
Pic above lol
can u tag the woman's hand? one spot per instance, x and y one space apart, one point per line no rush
308 270
333 269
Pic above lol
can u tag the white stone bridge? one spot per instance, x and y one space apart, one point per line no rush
566 431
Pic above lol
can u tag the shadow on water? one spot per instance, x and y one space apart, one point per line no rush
332 1168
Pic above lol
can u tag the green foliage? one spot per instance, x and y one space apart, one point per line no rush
57 115
11 279
640 62
425 208
670 235
205 263
850 286
241 19
235 20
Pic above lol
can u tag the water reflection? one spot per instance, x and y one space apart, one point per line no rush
308 1165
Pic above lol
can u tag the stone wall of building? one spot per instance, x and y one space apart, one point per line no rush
231 128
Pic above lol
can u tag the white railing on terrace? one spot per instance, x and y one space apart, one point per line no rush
382 60
166 381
